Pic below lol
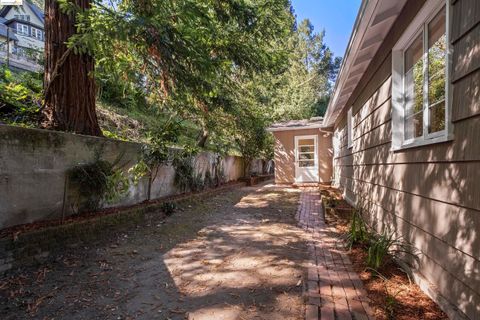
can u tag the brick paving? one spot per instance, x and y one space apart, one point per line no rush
334 290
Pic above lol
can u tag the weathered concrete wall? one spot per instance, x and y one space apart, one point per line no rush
33 165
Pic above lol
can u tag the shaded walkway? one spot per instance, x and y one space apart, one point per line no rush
334 290
236 255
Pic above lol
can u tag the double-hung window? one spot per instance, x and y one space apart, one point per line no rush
420 86
36 33
22 29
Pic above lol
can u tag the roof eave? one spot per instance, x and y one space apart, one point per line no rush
317 126
374 20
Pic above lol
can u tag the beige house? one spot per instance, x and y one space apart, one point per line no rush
303 152
405 116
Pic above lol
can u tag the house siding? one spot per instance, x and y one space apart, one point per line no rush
285 154
430 195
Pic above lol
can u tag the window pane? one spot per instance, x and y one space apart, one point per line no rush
437 50
307 148
306 163
414 89
437 117
306 156
306 142
414 126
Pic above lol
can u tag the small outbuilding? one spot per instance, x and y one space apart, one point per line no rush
303 152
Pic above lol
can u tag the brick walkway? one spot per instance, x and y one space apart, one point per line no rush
334 290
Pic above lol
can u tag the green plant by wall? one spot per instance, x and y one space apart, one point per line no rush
154 155
218 172
97 182
358 232
186 179
184 172
208 180
168 208
385 246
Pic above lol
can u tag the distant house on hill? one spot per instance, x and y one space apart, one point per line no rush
22 36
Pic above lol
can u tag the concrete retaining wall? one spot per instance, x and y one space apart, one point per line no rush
33 165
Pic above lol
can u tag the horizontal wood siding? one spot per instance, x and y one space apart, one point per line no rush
429 195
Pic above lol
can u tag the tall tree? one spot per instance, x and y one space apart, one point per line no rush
304 89
69 81
187 52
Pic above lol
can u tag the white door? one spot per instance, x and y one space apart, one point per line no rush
306 159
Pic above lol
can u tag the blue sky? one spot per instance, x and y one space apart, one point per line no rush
335 16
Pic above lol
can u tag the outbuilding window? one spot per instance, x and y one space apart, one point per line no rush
420 86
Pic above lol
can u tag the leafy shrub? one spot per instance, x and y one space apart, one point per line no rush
21 96
208 180
197 183
218 172
168 208
184 172
97 182
185 176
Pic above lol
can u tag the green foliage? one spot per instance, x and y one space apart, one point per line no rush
184 57
358 233
251 138
385 246
208 179
97 182
185 176
168 208
157 152
20 97
303 90
218 172
380 247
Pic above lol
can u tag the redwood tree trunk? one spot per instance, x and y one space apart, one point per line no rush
69 90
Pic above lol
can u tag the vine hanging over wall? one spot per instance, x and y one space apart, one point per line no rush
96 183
186 179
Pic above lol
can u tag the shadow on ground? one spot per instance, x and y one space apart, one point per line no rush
237 255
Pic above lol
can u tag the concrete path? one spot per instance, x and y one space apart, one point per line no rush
334 291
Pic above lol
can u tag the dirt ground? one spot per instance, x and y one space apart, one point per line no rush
236 255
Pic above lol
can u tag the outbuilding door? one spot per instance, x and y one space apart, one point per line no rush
306 159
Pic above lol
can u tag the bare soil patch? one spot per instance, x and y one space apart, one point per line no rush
396 298
234 255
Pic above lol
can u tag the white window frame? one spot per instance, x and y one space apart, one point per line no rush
349 129
21 29
419 23
37 33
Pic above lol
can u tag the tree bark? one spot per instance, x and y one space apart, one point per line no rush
202 140
69 82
